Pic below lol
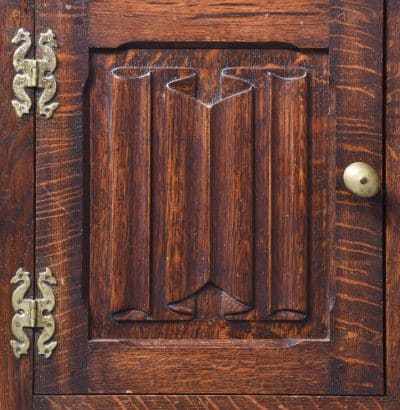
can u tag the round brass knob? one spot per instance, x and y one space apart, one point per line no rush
362 180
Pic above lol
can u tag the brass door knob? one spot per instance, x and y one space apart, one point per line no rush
362 180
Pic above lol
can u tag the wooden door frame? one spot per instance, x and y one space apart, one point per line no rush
16 148
16 207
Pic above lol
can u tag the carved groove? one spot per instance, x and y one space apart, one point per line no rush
232 170
130 236
188 205
289 230
213 172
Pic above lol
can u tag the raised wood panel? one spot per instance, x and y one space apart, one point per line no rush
302 23
229 146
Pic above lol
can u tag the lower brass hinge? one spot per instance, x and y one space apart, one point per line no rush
33 313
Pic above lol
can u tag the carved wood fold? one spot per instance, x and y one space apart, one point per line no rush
130 230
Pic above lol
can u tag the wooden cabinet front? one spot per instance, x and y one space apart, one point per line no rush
190 202
220 252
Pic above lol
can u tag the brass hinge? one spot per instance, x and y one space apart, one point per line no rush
34 73
33 313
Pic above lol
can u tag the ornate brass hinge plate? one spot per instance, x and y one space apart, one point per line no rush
34 73
33 313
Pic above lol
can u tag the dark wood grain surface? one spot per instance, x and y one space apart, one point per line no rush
357 292
217 402
357 311
59 198
206 182
16 207
303 23
130 232
185 367
356 296
207 192
232 196
393 201
289 190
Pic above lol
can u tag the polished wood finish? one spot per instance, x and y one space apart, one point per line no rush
16 207
213 275
357 304
347 324
130 225
59 198
186 188
228 195
223 402
187 247
289 190
392 158
302 23
243 367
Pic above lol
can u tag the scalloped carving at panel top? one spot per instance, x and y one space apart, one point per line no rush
210 182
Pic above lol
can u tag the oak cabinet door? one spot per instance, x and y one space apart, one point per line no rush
190 198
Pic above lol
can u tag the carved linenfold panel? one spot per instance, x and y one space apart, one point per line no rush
201 177
281 142
209 186
203 244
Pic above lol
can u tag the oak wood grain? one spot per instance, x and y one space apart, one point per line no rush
188 206
217 402
220 367
16 207
239 171
130 202
289 192
59 198
392 177
232 194
357 296
303 23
